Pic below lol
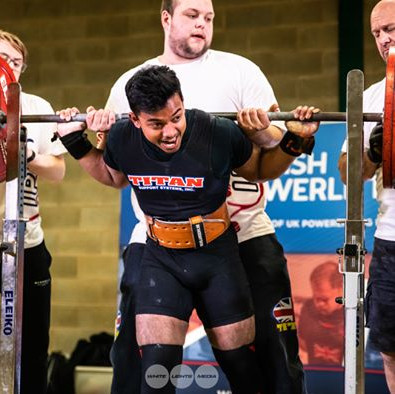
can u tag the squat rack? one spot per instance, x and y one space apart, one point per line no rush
351 261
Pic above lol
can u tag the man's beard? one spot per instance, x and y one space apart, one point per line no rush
183 49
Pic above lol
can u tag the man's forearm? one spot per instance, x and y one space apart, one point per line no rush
368 167
342 166
274 163
91 159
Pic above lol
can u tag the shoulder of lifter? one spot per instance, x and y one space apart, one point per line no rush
119 135
224 129
121 127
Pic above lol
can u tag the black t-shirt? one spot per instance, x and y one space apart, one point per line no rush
193 180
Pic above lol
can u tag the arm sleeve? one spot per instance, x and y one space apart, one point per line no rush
231 148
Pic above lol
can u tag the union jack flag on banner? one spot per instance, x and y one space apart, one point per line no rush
283 311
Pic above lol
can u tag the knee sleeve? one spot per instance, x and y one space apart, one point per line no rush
241 368
158 356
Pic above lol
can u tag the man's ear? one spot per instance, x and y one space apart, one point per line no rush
165 19
134 119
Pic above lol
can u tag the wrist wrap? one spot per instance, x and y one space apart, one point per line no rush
294 145
374 157
77 144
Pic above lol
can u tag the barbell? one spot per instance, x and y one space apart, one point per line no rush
321 116
387 118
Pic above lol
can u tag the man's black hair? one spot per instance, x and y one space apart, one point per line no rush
150 88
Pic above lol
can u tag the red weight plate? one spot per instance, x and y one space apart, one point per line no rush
392 185
6 77
13 130
389 122
391 141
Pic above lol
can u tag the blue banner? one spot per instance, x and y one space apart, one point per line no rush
307 201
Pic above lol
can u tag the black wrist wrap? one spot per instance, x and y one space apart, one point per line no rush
375 151
77 144
374 157
294 145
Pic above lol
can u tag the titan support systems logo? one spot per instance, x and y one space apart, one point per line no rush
166 182
181 376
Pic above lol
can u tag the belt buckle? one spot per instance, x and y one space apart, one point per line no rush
150 222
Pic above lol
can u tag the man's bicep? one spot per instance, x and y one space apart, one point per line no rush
113 168
241 146
249 170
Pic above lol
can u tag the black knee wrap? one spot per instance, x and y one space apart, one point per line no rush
241 368
167 356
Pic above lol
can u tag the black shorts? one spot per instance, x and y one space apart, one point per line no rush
380 297
210 279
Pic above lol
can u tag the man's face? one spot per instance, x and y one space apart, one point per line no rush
13 57
190 28
166 127
382 23
324 297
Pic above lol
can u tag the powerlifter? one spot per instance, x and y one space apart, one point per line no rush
178 162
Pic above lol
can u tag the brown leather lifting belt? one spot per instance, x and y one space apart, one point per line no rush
198 231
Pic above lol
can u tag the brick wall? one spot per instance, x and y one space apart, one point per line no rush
79 48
